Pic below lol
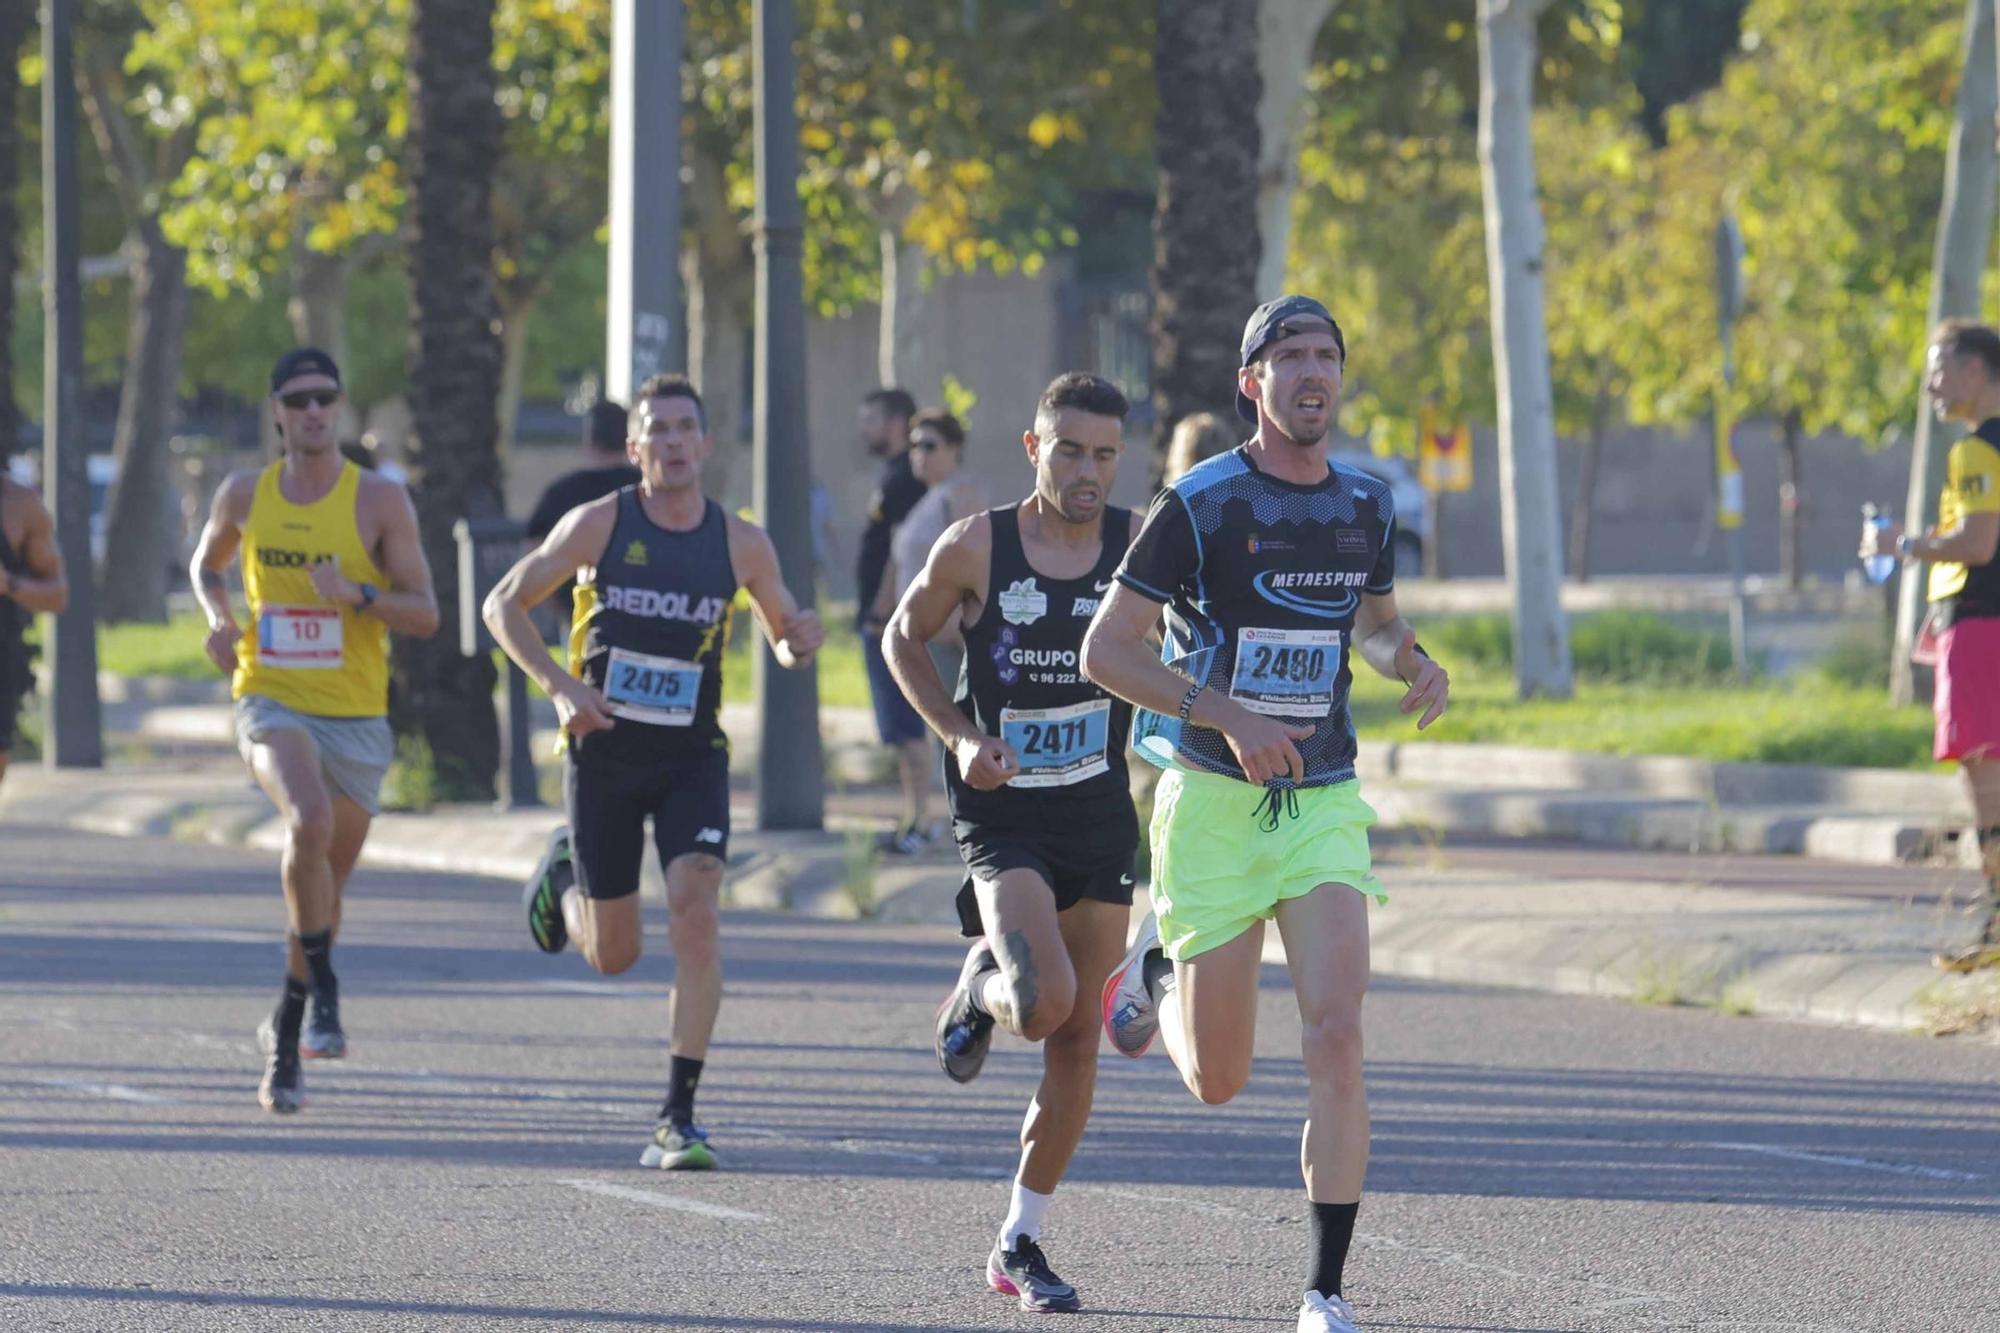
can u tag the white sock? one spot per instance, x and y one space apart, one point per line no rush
1024 1216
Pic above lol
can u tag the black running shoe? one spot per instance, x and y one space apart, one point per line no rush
283 1090
1024 1272
964 1034
323 1038
543 894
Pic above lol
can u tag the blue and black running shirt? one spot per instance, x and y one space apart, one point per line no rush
1261 579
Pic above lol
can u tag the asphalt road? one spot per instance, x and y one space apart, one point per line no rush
1540 1163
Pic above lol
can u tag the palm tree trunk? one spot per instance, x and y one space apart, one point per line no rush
454 143
1204 256
139 541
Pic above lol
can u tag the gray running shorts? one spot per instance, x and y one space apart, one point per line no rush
354 752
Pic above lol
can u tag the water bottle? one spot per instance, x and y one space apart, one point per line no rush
1877 567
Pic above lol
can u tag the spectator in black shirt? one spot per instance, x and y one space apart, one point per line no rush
885 430
605 470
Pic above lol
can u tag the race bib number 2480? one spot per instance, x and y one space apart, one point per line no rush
1286 672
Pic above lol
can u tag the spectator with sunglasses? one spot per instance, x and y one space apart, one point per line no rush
332 562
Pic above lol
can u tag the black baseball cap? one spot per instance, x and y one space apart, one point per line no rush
303 361
1269 322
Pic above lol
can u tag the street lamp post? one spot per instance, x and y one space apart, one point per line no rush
75 734
643 334
790 786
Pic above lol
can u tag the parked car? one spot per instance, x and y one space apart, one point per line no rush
1413 515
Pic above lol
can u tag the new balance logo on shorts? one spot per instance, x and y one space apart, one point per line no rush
709 835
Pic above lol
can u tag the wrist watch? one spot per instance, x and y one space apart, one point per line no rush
369 592
1906 546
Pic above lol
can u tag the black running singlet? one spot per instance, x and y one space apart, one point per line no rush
1023 682
648 630
1261 579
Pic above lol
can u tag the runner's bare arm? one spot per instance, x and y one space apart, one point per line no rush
220 537
576 541
794 634
44 587
409 604
1116 656
954 575
1387 643
1971 541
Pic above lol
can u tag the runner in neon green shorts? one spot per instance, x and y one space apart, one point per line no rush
1271 564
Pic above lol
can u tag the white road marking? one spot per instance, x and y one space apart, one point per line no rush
858 1147
654 1199
116 1092
217 935
1837 1159
594 987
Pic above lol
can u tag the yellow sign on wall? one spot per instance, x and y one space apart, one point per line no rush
1444 454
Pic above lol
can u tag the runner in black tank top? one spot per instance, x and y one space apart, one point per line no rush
640 705
1035 766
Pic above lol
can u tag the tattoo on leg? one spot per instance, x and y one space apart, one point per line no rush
1017 964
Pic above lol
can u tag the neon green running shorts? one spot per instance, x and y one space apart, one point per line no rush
1216 870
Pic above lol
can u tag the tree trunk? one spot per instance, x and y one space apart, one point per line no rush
1531 527
1286 31
139 526
1965 234
719 274
317 312
898 348
455 359
1586 486
1204 268
517 312
1791 527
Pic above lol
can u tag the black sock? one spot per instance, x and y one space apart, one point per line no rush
318 949
1333 1229
681 1080
1158 971
290 1014
975 994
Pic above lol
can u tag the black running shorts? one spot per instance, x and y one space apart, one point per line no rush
609 801
1074 865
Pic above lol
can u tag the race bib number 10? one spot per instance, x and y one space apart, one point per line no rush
661 690
299 637
1286 672
1058 746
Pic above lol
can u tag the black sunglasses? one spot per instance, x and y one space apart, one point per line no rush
930 442
300 399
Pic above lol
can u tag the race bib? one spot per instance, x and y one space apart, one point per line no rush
1058 746
661 690
1286 672
299 637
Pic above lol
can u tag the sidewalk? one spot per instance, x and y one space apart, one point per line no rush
1863 816
1822 957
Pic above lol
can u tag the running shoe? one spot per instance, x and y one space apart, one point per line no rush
1130 1018
1024 1272
909 840
283 1090
323 1038
964 1034
543 895
679 1147
1985 953
1325 1314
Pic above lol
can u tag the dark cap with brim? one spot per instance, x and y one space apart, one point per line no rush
1271 321
303 361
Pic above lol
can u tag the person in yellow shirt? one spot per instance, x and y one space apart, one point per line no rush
332 562
1962 376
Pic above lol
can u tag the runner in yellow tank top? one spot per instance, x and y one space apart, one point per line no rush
332 562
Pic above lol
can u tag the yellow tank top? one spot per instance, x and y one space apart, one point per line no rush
298 648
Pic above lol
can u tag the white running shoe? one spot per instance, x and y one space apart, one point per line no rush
1130 1019
1325 1314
